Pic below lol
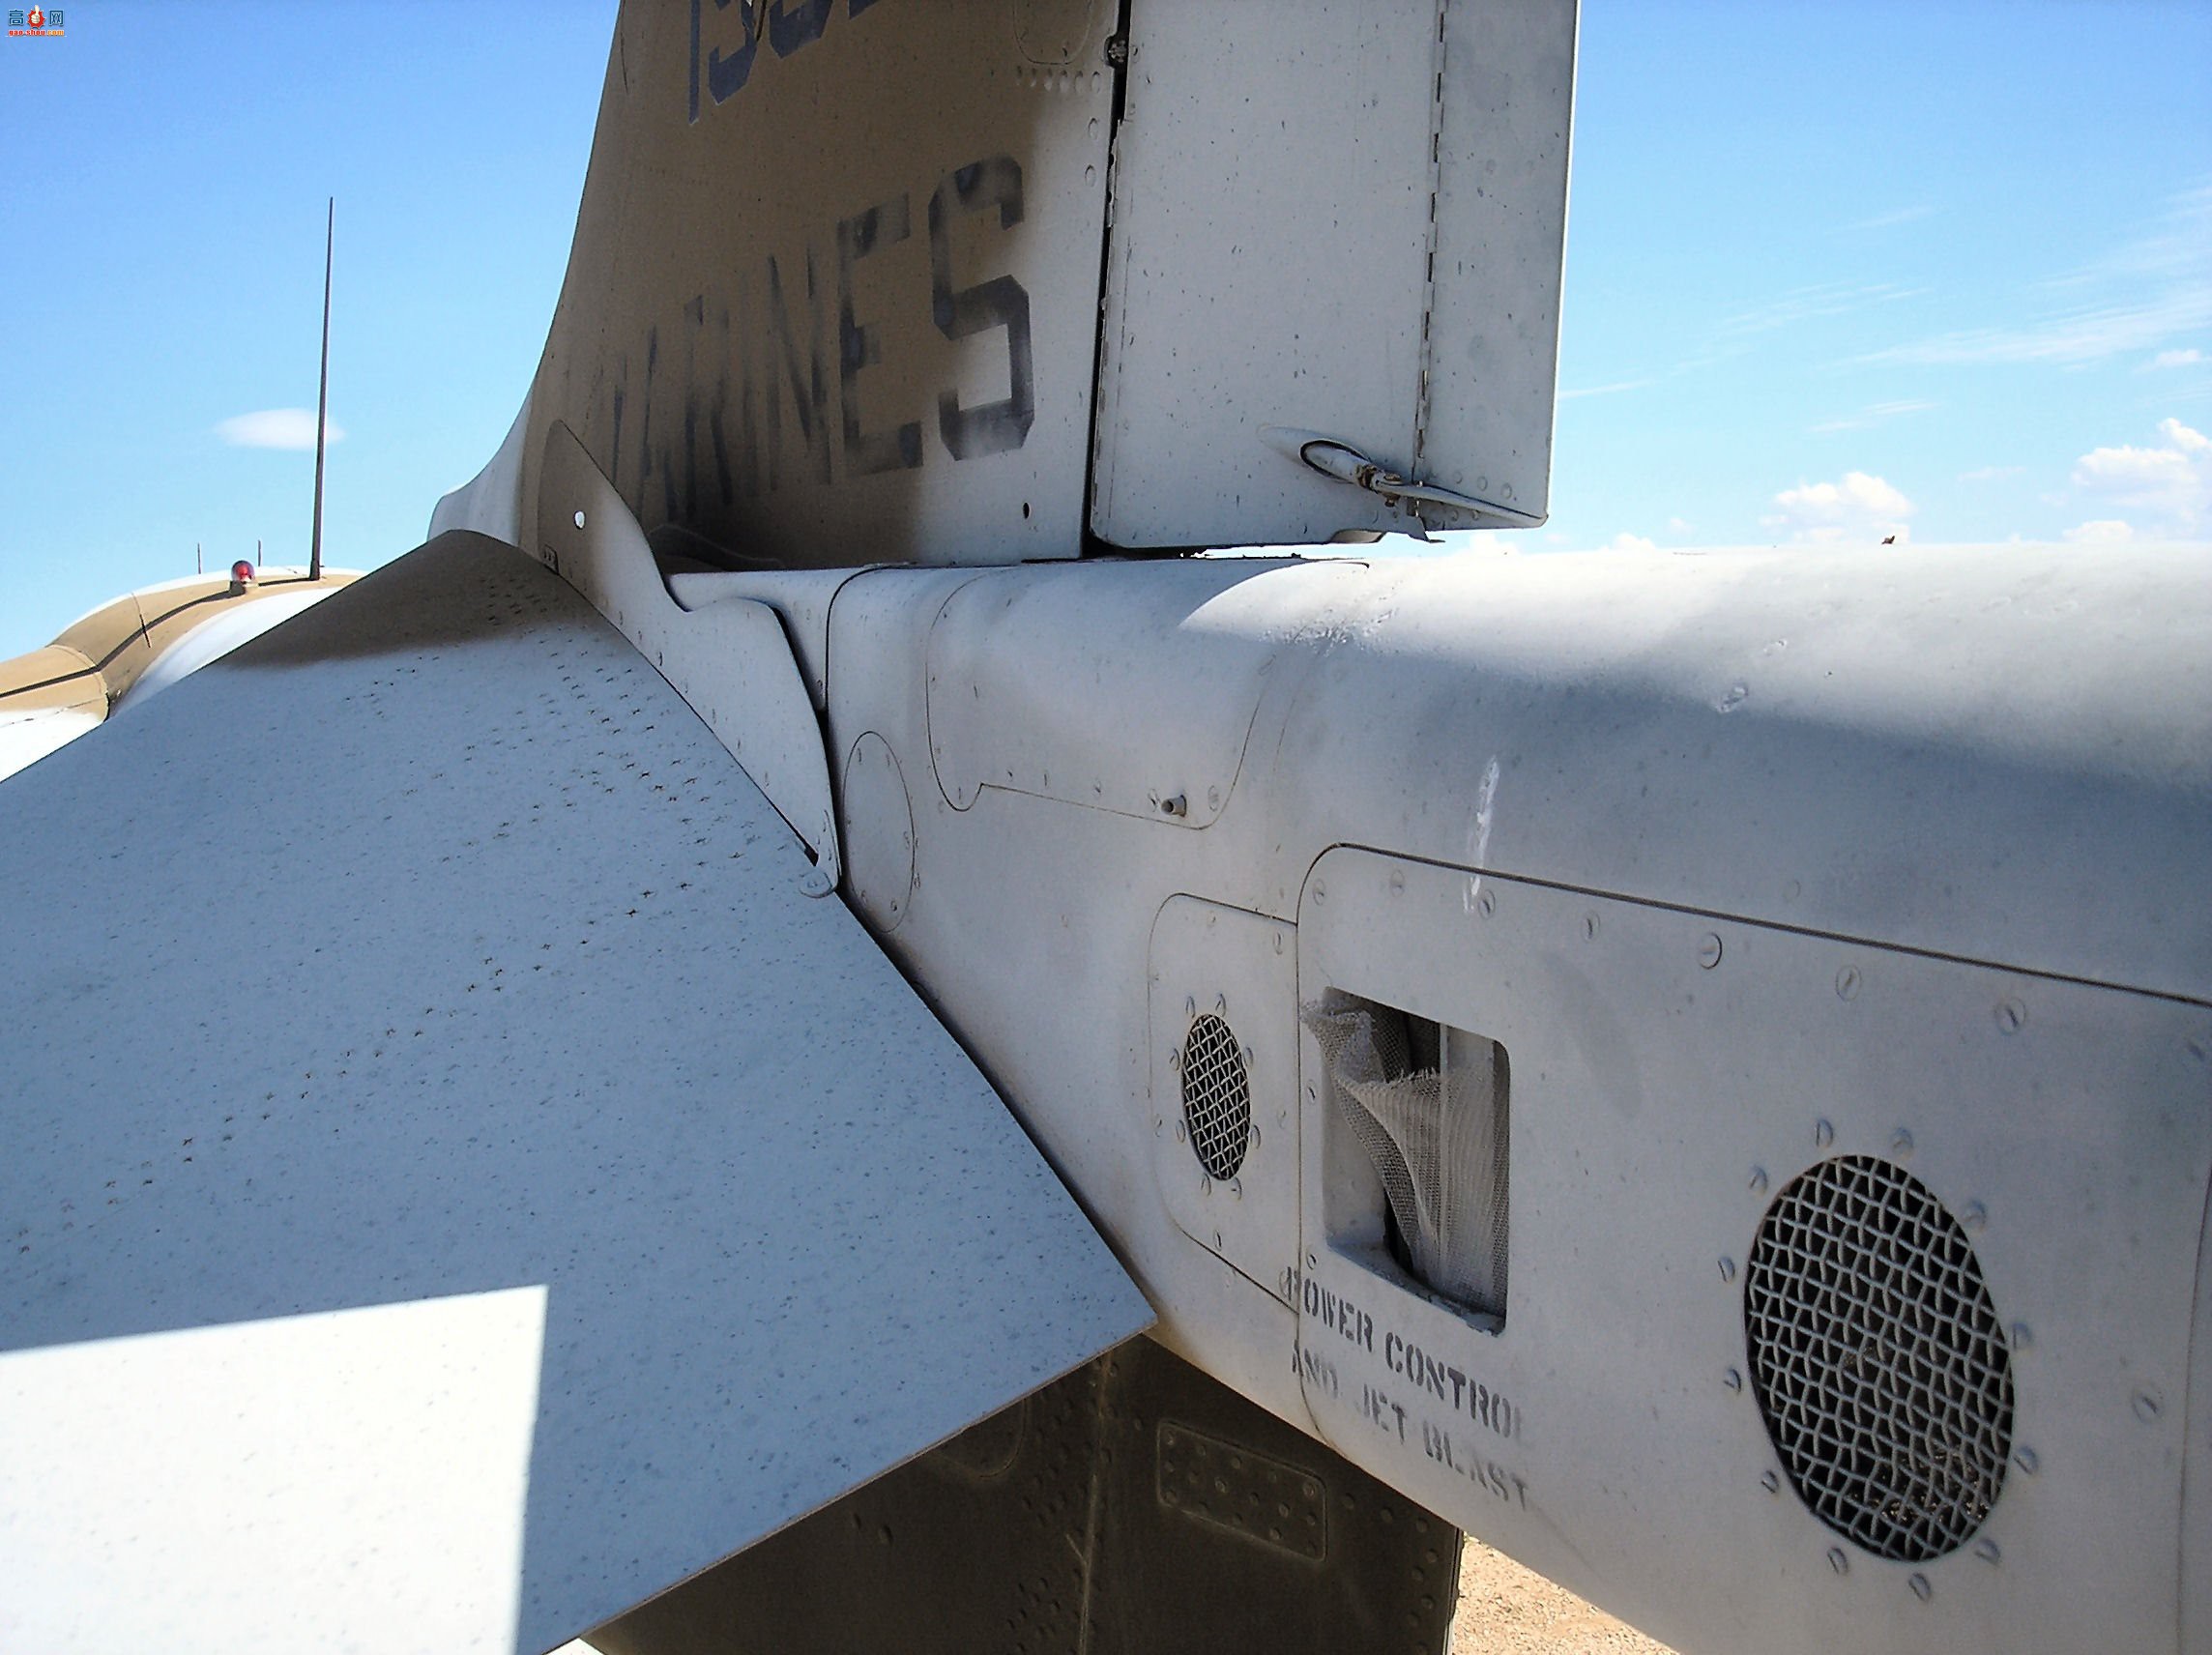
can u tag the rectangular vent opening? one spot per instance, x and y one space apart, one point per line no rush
1420 1120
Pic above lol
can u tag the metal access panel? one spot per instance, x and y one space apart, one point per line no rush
1422 145
1225 1080
1811 1299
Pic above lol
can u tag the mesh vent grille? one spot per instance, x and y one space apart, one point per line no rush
1216 1097
1878 1358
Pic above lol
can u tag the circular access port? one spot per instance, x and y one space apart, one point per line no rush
1216 1097
1878 1358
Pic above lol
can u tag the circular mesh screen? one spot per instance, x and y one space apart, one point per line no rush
1216 1097
1878 1358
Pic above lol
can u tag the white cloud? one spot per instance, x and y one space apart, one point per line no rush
1809 304
1873 414
2134 299
2083 337
2189 357
2103 531
1678 526
2171 482
1624 542
1859 507
275 429
1613 390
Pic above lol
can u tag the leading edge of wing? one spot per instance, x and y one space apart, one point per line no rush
457 1183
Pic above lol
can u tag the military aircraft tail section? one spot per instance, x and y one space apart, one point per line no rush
887 282
1690 1069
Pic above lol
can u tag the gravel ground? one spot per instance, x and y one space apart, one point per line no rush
1504 1610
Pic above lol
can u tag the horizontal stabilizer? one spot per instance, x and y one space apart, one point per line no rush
457 1183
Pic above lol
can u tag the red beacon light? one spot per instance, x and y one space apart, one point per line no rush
240 575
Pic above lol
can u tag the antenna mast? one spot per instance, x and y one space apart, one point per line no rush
323 397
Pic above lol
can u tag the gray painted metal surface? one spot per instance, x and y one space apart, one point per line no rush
455 1184
1492 332
1902 791
2197 1470
26 738
817 351
878 822
1672 1073
1348 221
1240 970
1166 658
491 502
214 639
802 598
731 661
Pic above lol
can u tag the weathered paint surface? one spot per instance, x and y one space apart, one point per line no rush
441 1138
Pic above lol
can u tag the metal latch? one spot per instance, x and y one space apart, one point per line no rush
1336 459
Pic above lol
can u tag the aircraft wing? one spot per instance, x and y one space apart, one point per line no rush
462 1182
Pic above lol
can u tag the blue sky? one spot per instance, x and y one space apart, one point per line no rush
1950 251
1937 269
